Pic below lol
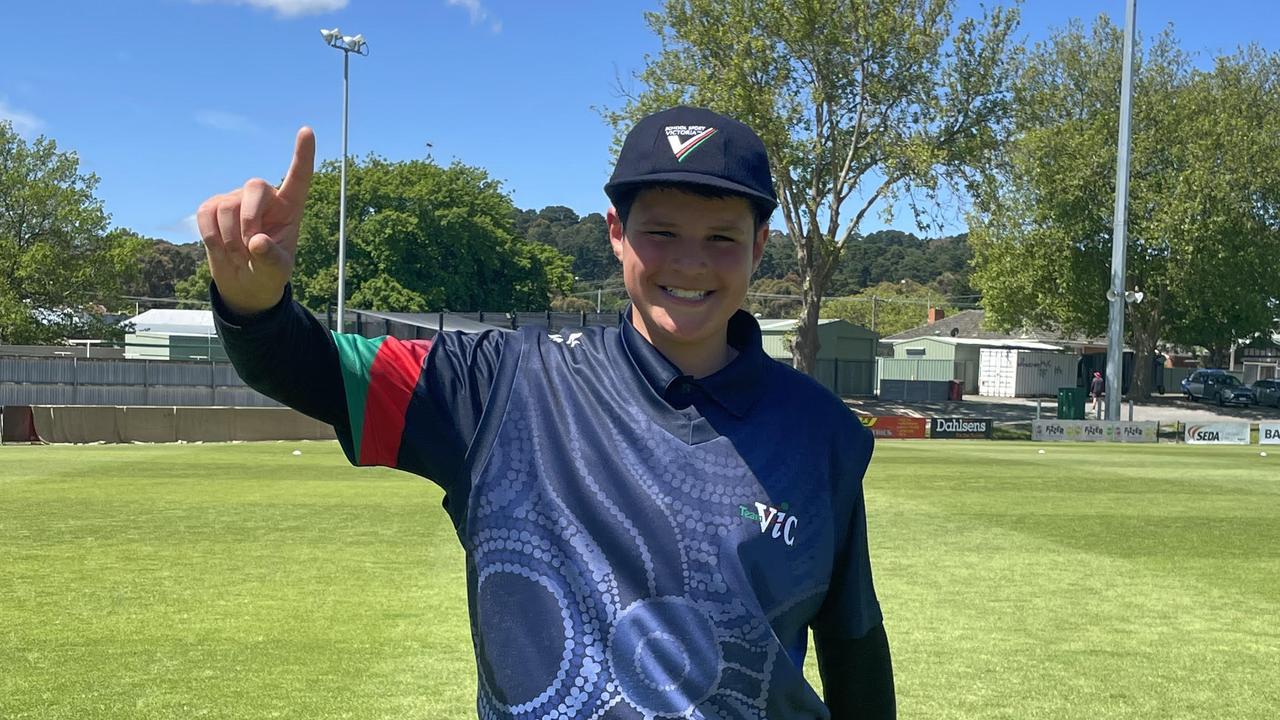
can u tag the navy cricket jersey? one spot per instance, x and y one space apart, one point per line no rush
639 543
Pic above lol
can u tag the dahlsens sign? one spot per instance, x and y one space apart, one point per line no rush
1217 433
961 428
1095 431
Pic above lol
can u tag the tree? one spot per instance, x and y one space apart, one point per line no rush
422 237
1204 195
775 297
779 258
162 265
585 239
58 264
859 103
893 255
889 307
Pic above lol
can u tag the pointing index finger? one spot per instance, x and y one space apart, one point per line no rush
298 180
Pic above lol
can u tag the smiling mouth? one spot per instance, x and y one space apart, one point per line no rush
682 294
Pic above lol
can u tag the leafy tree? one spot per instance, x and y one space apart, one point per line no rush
779 258
422 237
585 239
196 285
784 304
893 255
1204 195
858 103
161 265
57 260
887 308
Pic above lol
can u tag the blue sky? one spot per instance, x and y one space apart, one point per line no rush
170 101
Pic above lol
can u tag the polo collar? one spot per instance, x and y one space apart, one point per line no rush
735 387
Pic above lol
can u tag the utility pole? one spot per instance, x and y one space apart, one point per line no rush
1115 326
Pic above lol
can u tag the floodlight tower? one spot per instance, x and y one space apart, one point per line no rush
347 44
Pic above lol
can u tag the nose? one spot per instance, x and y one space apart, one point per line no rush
689 256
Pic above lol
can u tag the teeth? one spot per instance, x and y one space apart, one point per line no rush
687 294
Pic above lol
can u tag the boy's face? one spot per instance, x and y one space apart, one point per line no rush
687 263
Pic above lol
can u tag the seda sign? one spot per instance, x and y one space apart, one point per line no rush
1217 433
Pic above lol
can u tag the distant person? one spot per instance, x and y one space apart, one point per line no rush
655 515
1097 388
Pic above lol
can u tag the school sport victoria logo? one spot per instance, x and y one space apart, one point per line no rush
685 139
783 525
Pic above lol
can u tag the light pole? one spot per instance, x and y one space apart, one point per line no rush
1115 326
347 44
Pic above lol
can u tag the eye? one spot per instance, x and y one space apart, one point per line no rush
723 238
661 233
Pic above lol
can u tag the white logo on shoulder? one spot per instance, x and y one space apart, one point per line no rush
573 340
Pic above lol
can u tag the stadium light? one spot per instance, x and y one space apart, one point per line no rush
347 44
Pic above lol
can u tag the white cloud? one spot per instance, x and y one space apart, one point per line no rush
479 13
185 230
288 8
24 123
225 121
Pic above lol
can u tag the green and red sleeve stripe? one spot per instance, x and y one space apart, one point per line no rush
378 376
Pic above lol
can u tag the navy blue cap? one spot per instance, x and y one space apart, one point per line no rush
694 146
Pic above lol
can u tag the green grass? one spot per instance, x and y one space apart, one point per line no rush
240 581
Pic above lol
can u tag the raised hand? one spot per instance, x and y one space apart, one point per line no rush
251 233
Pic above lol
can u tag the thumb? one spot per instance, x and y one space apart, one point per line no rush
298 180
267 254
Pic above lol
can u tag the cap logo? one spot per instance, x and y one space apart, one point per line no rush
685 139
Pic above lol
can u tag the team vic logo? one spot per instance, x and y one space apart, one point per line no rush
685 139
774 521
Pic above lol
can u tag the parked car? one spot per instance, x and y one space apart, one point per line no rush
1267 392
1217 386
1225 389
1193 384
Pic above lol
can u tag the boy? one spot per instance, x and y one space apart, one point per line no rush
653 515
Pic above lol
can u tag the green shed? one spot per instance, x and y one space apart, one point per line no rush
846 354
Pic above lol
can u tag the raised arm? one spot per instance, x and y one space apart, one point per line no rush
251 234
410 404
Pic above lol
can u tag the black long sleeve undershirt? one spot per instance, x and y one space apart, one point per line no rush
857 676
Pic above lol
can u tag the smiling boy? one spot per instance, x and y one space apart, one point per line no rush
654 515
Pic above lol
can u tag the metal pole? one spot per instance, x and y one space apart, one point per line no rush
1115 327
342 204
599 292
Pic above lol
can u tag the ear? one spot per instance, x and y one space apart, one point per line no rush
757 247
617 234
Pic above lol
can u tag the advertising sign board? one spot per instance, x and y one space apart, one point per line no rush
1217 433
1269 433
1095 431
895 426
975 428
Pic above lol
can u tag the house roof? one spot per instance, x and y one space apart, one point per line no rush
786 324
985 342
969 324
173 322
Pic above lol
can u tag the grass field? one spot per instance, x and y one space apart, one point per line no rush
240 581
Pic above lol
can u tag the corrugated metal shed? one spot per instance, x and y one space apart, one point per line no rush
1025 373
846 361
